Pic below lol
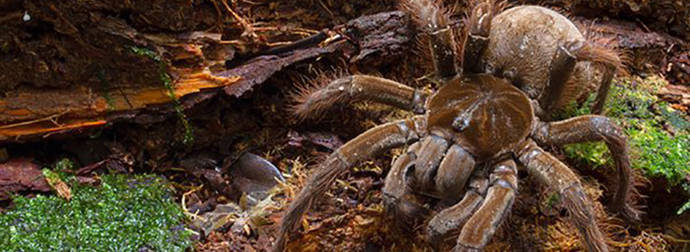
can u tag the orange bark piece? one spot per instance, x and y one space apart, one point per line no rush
27 114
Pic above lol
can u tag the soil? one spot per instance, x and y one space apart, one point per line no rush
58 56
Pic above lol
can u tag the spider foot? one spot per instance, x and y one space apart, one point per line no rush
462 248
630 213
480 19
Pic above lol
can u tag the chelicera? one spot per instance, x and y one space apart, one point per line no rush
464 150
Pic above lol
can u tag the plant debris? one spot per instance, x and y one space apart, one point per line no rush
19 175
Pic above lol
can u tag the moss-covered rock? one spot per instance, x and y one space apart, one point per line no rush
659 136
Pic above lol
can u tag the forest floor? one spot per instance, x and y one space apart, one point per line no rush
97 93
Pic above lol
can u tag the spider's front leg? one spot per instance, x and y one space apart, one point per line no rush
432 17
362 147
481 211
550 171
479 229
312 101
597 128
449 221
406 208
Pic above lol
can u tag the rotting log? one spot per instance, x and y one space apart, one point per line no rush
670 16
186 76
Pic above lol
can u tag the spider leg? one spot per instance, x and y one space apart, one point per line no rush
313 101
443 52
362 147
477 33
479 229
449 221
419 175
612 63
432 150
453 173
550 171
597 128
562 67
401 203
433 18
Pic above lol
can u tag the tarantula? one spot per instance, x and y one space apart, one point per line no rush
462 158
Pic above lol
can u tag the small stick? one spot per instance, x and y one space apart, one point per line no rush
248 29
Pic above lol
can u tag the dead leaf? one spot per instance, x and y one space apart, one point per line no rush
55 182
19 175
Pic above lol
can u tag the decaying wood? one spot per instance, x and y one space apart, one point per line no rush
42 112
28 113
646 51
671 16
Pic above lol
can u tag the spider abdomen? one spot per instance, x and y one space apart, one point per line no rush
484 114
522 43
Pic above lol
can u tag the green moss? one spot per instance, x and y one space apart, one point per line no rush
646 120
123 214
167 83
64 165
105 86
595 154
658 153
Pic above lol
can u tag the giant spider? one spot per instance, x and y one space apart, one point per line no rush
464 150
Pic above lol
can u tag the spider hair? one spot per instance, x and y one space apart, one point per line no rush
478 7
430 15
311 99
603 52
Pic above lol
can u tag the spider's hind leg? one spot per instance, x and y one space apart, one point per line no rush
443 53
550 171
562 67
611 62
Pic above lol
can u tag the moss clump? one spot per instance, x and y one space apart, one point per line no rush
659 136
658 153
123 214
